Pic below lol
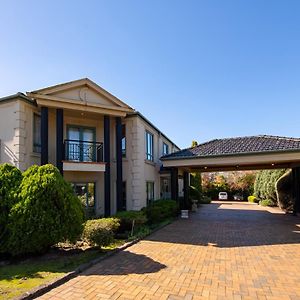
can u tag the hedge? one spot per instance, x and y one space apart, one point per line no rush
127 217
160 210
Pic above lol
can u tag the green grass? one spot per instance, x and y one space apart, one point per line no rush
20 277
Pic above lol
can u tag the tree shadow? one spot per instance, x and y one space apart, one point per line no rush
127 263
223 226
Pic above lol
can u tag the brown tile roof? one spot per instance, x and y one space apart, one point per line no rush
238 145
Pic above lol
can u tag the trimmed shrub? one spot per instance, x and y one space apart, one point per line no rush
266 202
48 212
204 200
160 210
100 232
10 180
127 217
252 199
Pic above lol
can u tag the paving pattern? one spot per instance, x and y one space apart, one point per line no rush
225 251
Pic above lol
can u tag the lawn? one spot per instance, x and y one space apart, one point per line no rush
19 277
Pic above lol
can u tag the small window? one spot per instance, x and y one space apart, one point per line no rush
36 133
124 140
150 191
86 193
165 149
149 146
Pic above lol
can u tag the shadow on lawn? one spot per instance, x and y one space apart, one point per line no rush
55 261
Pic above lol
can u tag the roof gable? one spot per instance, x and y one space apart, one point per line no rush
82 90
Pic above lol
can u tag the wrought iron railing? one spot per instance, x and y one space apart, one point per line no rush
83 151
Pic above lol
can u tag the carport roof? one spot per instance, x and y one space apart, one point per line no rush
238 145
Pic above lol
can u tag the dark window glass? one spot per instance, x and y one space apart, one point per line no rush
124 195
149 146
150 191
124 140
36 133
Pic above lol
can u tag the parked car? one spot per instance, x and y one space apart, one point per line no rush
238 197
223 196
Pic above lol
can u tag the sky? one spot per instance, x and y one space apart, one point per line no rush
198 70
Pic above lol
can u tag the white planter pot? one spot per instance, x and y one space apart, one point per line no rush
184 214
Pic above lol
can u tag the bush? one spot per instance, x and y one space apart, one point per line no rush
100 232
160 210
194 193
266 202
127 217
10 180
204 200
48 212
252 199
265 184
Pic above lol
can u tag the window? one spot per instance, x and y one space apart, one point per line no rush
81 144
150 191
165 149
36 133
86 193
124 195
124 140
149 146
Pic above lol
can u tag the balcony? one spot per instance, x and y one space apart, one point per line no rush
83 156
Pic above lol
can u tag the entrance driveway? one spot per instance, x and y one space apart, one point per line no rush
225 251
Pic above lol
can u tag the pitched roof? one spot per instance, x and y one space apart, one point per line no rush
18 95
238 145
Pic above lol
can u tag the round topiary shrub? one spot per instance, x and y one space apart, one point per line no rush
48 212
10 180
100 232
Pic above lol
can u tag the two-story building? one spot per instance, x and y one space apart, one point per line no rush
107 150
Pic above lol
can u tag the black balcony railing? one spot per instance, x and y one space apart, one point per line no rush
83 151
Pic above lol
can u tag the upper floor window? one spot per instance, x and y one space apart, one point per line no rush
81 145
36 133
149 146
124 140
165 149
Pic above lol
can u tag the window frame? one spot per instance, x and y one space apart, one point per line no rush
125 141
167 147
36 147
150 200
149 156
81 140
87 206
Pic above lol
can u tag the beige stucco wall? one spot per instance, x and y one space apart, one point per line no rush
16 130
136 169
16 134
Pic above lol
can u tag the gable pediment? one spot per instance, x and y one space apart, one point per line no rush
82 91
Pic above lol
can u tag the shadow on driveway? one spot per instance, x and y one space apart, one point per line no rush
232 225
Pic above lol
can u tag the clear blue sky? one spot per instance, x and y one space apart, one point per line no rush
197 69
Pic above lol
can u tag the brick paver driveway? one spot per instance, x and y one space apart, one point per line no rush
225 251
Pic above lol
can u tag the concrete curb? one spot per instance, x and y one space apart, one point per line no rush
42 289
